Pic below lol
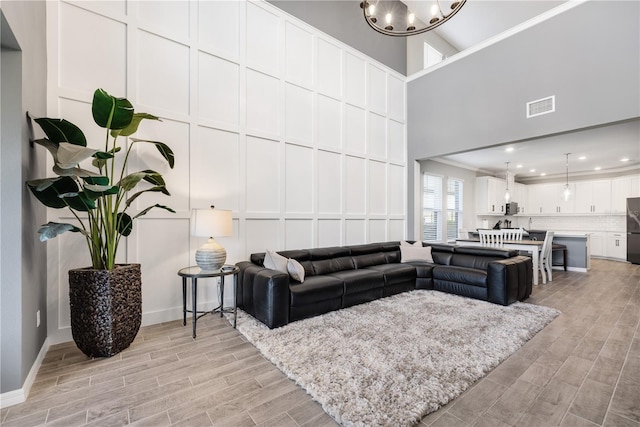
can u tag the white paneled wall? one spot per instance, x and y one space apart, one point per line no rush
302 137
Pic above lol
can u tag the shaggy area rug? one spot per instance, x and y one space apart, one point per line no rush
394 360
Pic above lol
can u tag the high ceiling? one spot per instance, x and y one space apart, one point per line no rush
602 148
479 20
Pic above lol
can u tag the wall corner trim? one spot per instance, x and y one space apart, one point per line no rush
14 397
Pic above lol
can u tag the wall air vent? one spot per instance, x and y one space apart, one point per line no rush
541 106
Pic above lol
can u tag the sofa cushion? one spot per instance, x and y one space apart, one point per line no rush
363 261
275 261
463 275
423 269
415 252
395 273
326 266
314 289
359 280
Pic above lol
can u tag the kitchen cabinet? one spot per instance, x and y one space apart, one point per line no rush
520 197
621 189
597 244
490 195
593 196
549 199
617 246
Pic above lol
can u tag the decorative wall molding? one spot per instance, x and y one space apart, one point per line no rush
301 136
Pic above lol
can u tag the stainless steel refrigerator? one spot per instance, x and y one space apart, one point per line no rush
633 230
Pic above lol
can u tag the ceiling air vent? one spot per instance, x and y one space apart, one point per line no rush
541 106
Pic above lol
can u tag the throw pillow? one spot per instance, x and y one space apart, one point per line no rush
275 261
417 243
414 253
296 270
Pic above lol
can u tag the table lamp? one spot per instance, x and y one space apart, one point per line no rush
211 223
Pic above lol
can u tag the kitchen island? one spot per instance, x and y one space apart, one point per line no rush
577 243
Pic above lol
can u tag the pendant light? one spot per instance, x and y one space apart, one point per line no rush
507 196
567 191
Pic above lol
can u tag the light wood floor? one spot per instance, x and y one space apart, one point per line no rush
581 370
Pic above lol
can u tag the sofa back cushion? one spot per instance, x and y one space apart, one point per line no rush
333 265
363 261
479 258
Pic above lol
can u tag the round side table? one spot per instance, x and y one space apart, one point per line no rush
194 273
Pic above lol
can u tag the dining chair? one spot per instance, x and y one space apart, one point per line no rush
512 233
491 237
544 261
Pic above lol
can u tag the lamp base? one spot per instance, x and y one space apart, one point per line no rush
211 256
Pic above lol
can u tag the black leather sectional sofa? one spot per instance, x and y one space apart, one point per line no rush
340 277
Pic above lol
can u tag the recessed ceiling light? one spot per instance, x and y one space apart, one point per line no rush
532 170
519 166
625 159
582 157
509 149
597 168
543 174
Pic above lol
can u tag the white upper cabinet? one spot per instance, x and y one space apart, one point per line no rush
621 189
519 195
549 199
490 195
593 196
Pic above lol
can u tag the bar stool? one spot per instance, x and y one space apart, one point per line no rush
556 247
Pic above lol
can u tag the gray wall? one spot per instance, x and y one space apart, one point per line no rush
24 261
591 65
344 21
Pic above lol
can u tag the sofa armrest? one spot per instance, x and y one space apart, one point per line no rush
264 294
509 280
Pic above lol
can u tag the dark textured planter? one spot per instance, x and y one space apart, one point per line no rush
106 308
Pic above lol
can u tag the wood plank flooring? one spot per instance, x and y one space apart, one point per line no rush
581 370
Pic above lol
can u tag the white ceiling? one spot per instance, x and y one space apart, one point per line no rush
604 147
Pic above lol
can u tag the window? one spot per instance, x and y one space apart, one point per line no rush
454 208
432 209
431 56
440 225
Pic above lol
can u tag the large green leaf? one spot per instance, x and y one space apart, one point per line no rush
79 201
82 173
128 182
51 146
111 112
152 189
144 211
53 229
95 191
97 180
125 224
48 190
69 155
133 126
60 130
163 148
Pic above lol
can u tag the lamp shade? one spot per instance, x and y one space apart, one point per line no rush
211 223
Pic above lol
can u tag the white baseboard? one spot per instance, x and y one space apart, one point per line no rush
14 397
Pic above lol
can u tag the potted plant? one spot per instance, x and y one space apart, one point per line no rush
106 298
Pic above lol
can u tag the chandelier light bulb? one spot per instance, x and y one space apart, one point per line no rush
372 9
434 10
388 18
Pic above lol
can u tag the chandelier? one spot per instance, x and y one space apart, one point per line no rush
382 20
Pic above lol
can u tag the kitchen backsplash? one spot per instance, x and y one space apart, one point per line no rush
565 223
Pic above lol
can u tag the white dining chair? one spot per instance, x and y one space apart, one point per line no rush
493 238
544 261
512 233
